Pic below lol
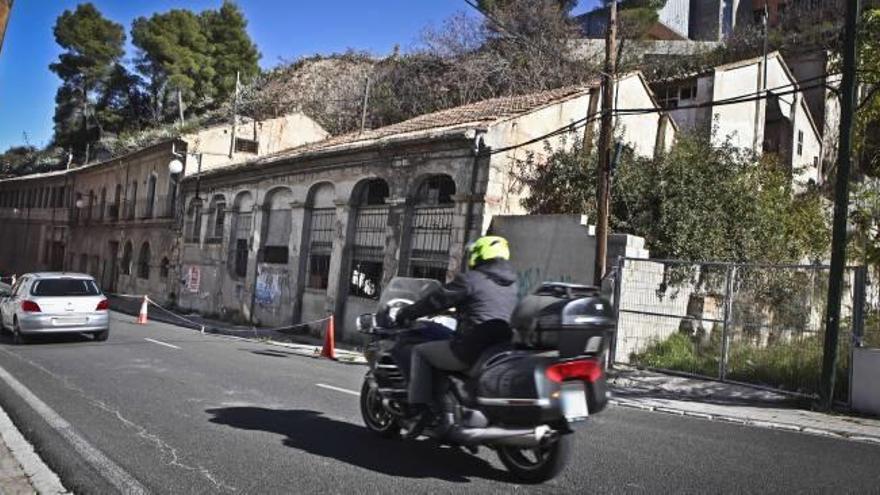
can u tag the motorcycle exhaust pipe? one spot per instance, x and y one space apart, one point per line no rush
519 437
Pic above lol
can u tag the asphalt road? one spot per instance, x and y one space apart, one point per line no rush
192 413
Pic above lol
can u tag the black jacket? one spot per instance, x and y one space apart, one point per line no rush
487 293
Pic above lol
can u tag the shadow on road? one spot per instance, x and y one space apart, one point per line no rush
319 435
58 338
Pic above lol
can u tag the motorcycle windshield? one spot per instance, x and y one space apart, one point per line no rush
409 289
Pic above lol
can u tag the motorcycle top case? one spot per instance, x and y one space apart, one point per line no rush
573 319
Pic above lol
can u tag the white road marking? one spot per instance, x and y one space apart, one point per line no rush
117 477
343 390
166 344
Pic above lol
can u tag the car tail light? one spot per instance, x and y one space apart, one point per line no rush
30 307
104 305
582 369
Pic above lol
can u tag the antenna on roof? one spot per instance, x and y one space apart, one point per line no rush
366 102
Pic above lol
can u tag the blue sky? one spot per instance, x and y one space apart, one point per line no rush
282 29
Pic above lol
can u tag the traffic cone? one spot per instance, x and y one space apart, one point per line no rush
142 315
329 349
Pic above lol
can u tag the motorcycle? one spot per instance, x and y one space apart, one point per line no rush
522 399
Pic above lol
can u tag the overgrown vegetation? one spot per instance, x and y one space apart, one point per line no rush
701 201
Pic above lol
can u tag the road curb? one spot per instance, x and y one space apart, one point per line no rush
41 477
772 425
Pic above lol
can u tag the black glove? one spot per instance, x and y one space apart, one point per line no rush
402 318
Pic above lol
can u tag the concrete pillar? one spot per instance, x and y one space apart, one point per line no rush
250 284
461 234
337 278
296 261
397 218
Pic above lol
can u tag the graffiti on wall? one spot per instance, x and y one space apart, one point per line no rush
531 277
268 289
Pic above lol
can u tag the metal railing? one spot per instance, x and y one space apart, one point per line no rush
757 324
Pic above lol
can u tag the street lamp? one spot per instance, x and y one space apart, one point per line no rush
175 166
80 203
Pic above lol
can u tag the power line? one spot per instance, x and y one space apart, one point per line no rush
576 124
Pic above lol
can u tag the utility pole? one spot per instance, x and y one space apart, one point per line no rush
234 115
841 203
180 107
603 192
365 103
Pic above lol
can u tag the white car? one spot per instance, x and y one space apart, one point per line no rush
52 303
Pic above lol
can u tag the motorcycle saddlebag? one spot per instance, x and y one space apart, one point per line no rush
511 377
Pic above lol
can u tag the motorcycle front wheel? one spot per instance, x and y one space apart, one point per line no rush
376 417
537 465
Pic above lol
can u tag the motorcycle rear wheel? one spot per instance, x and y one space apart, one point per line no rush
377 419
539 464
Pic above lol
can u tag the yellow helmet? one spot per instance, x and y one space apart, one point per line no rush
487 248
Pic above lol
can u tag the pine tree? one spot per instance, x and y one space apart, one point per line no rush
93 47
233 50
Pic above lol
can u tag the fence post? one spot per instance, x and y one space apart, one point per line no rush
858 319
618 280
725 328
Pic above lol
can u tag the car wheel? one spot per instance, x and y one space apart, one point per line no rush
18 338
102 335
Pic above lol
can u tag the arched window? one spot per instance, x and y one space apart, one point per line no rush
126 259
368 245
117 202
164 268
431 230
151 197
103 206
193 227
132 201
240 236
278 225
217 209
322 226
144 261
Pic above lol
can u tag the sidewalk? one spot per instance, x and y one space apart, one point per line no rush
706 399
299 340
21 469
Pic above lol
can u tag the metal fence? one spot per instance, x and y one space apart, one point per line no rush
757 324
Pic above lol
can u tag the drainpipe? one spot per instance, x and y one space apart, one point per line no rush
478 148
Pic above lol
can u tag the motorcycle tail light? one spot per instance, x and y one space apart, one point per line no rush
583 369
104 305
30 307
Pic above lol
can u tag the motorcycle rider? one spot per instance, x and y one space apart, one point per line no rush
484 298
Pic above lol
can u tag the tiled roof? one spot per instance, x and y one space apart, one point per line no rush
474 115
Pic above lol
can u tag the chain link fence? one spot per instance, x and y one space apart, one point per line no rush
757 324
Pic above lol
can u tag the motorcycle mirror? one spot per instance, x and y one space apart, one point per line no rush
365 322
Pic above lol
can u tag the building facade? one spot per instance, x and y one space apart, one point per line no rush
320 229
781 123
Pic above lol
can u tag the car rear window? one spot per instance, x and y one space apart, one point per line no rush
65 287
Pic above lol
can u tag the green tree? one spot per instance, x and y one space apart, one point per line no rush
92 49
174 54
698 202
233 50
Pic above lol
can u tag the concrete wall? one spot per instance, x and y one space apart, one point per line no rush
272 135
559 248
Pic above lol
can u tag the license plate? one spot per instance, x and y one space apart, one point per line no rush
574 402
66 322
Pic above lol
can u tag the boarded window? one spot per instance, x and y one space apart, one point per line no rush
275 254
241 257
144 262
193 227
126 259
246 145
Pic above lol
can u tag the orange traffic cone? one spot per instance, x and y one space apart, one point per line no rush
329 349
142 315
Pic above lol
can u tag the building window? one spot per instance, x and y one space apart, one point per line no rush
117 201
193 227
688 92
164 268
278 225
144 261
246 145
218 217
800 145
126 259
321 231
241 233
368 252
432 228
151 197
